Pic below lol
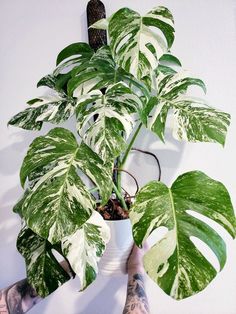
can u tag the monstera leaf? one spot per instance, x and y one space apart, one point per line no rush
114 121
56 109
58 201
99 72
194 120
134 44
85 247
44 273
174 262
70 57
73 55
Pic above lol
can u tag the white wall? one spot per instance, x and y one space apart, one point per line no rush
32 33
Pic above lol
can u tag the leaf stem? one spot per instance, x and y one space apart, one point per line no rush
120 197
118 175
123 161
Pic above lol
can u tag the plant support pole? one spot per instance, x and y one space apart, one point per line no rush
98 38
96 11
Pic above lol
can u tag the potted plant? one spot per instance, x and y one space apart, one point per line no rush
113 92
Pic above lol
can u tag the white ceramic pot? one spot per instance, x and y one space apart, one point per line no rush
113 261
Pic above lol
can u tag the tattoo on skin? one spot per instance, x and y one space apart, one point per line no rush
18 298
136 302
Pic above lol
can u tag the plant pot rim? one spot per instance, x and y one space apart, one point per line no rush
116 220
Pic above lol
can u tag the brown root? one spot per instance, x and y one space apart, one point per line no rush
113 209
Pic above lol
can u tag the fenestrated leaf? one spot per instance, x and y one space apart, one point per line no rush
193 119
48 81
135 46
44 273
72 55
85 247
57 82
174 262
55 108
114 122
99 72
96 73
59 202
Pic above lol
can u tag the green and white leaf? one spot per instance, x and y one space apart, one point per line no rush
114 120
44 273
85 247
100 72
174 262
100 24
55 108
134 44
59 202
97 73
71 56
56 82
193 119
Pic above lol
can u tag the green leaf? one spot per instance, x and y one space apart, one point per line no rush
59 202
80 52
174 262
71 56
100 72
44 273
96 73
135 46
57 82
18 206
114 122
193 119
85 247
55 108
169 58
48 81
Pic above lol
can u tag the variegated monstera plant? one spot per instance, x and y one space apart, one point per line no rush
113 92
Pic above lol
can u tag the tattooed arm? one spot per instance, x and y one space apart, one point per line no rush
136 300
18 298
21 297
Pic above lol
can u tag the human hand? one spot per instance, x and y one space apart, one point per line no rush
135 260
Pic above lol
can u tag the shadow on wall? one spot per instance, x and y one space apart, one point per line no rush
12 155
102 296
11 158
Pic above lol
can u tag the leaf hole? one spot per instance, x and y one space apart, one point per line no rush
206 252
123 41
57 255
214 225
160 267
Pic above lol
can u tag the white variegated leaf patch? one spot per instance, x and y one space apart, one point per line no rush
100 72
135 46
85 247
193 119
100 24
105 121
174 262
58 202
55 108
